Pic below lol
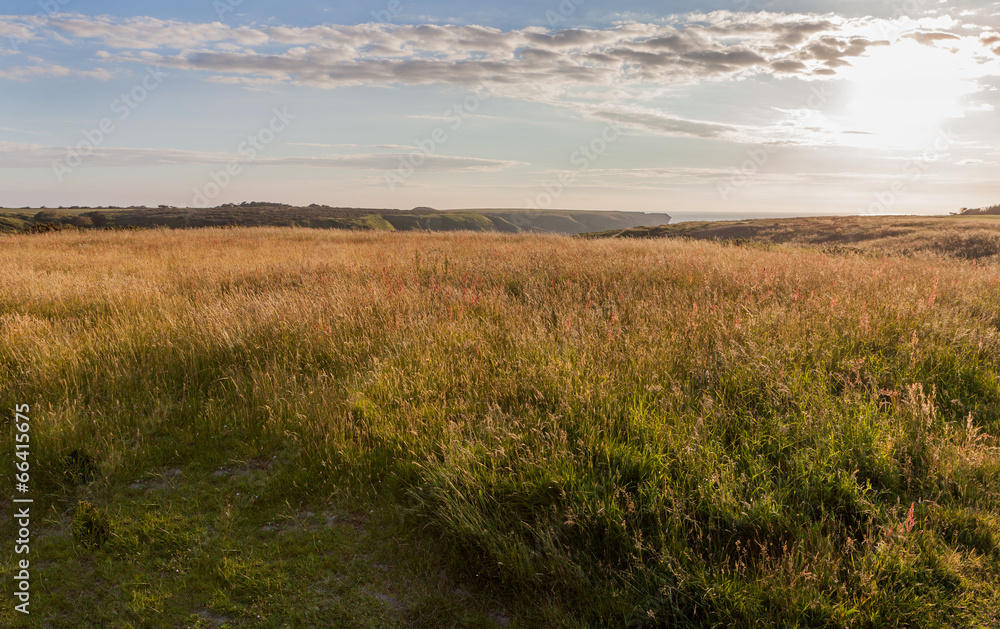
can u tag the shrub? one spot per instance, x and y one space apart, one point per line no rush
99 219
90 528
79 468
52 216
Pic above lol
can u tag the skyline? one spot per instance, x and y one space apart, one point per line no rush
764 108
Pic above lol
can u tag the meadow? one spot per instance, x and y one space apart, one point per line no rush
283 427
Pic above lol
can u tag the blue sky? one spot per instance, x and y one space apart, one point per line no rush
742 106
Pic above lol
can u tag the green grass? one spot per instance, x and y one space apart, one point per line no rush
216 547
441 222
541 430
11 224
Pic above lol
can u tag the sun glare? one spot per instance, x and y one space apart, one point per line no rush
903 94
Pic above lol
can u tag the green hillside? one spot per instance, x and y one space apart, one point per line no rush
261 214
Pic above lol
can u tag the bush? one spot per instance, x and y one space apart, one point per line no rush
79 468
99 219
42 228
90 528
52 216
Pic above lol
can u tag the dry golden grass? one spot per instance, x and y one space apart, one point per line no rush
654 432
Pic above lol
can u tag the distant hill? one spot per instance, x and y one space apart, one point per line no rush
970 236
326 217
993 210
564 221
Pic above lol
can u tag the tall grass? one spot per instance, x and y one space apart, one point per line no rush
652 433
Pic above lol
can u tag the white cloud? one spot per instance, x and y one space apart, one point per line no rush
685 49
147 32
24 73
587 70
24 155
13 130
42 69
689 48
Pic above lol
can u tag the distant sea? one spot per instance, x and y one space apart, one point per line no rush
681 217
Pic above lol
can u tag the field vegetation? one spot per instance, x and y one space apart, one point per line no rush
263 214
282 427
970 236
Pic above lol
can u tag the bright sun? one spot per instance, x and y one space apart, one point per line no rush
903 94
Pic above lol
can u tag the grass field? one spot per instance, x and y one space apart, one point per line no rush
295 428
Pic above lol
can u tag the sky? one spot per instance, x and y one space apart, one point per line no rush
694 108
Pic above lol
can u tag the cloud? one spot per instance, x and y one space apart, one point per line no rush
24 73
929 38
788 66
684 49
660 123
462 55
13 130
555 67
835 51
23 155
40 68
689 49
319 144
147 32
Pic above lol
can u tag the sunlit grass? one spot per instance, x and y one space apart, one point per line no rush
606 432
